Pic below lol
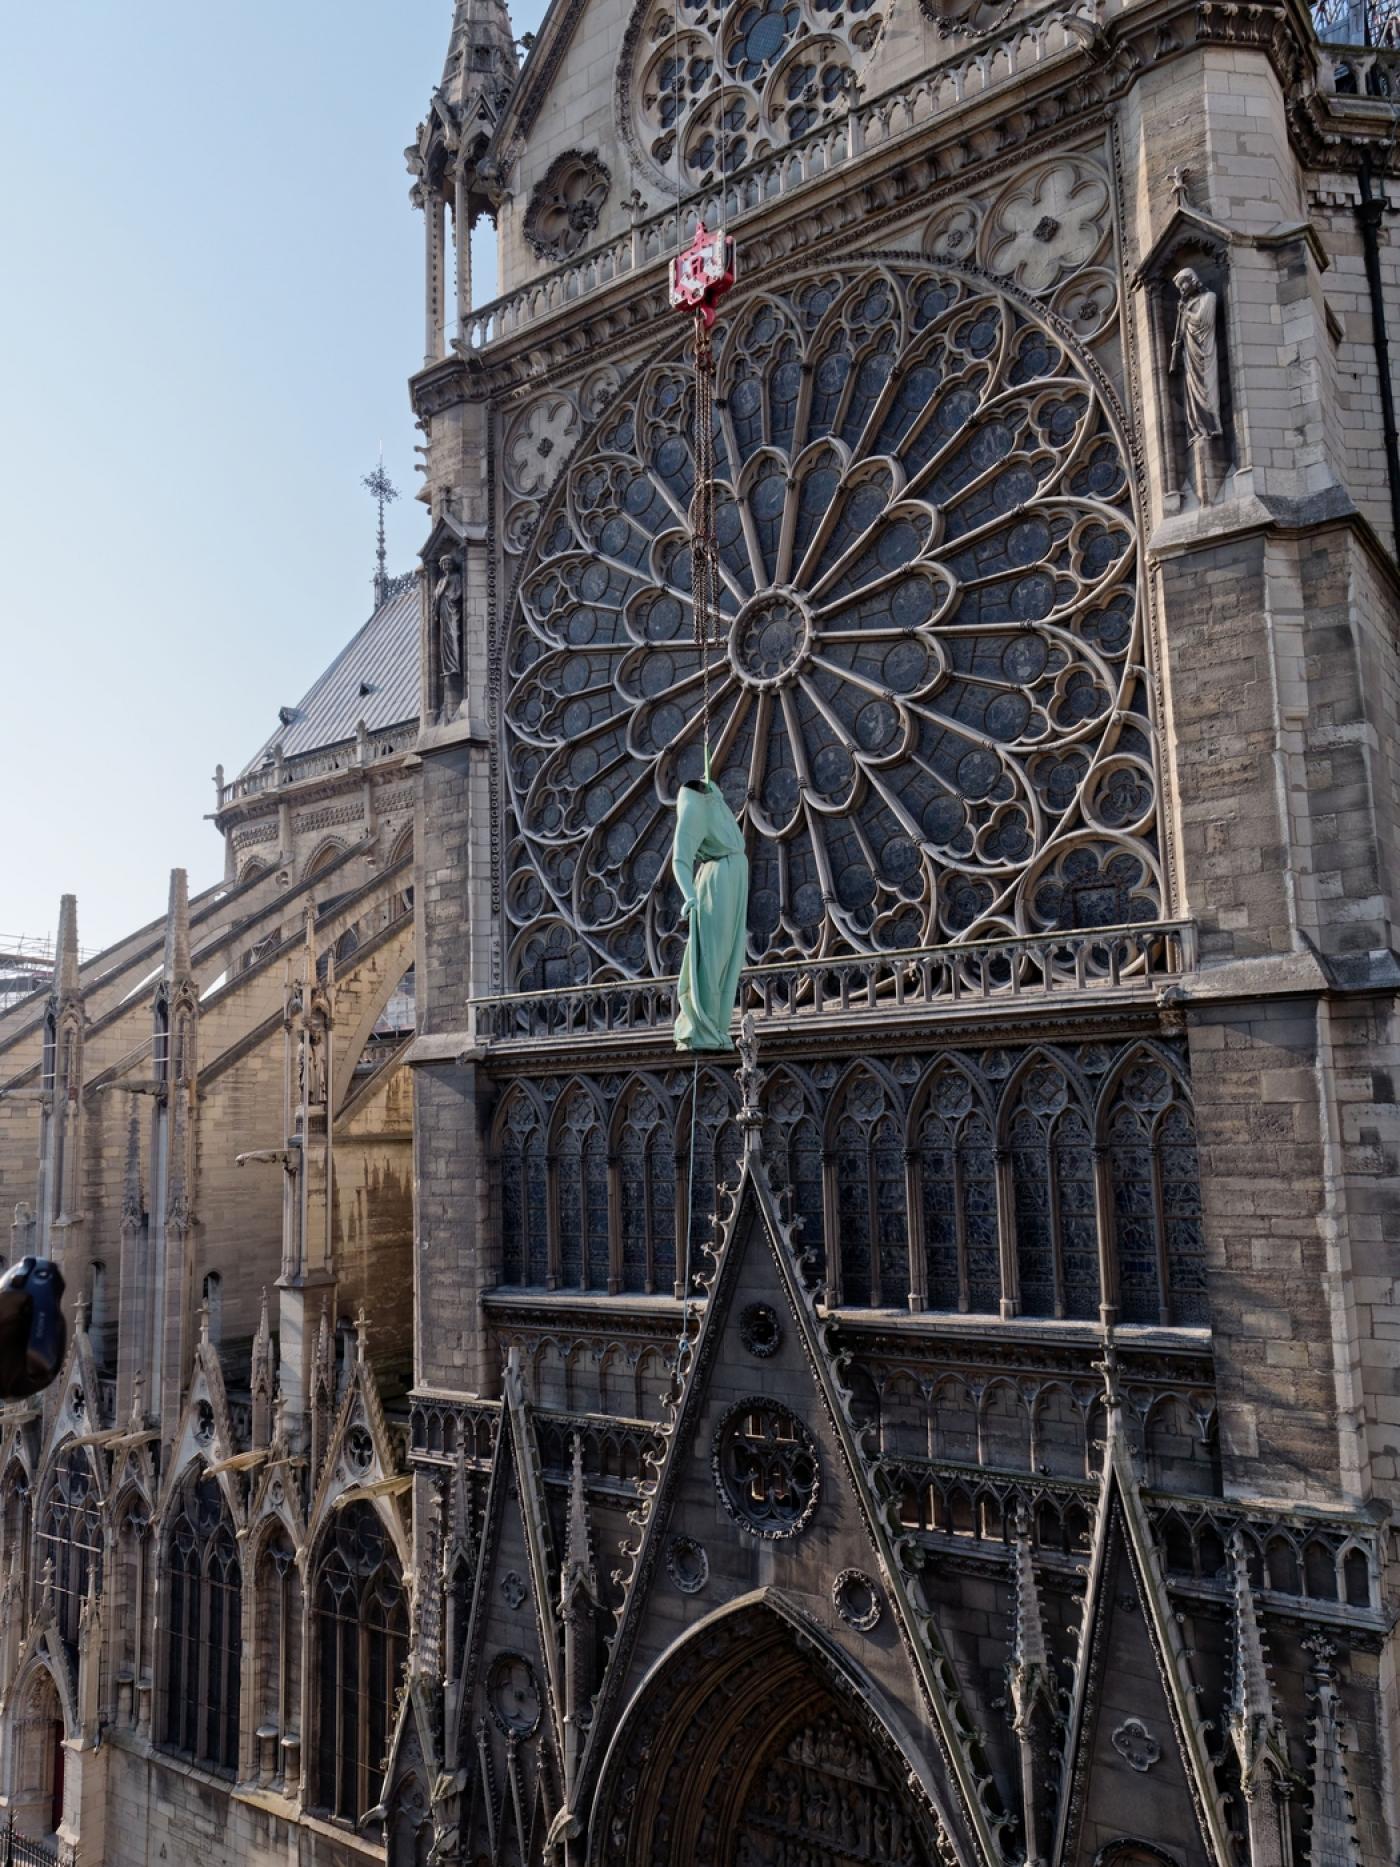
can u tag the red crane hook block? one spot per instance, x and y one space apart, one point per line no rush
703 273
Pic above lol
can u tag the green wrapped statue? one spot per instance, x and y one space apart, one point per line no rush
713 873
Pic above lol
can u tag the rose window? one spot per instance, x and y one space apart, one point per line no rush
928 704
713 86
765 1469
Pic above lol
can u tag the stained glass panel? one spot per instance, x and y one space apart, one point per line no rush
929 711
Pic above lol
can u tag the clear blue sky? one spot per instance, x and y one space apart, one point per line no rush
211 302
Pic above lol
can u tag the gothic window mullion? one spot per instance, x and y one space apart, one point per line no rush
348 1715
1104 1232
1006 1235
914 1207
831 1228
960 1220
681 1226
1056 1218
872 1213
288 1696
362 1734
648 1220
204 1663
1159 1229
551 1281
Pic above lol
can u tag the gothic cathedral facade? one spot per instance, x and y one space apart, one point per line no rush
957 1427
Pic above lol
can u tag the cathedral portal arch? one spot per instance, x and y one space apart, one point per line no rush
751 1738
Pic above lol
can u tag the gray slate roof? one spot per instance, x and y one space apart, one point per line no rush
384 655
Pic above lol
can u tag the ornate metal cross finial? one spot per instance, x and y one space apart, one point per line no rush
382 488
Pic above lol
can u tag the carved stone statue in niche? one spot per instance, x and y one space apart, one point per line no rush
447 613
1186 279
1195 347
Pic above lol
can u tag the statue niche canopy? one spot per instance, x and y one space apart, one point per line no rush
929 707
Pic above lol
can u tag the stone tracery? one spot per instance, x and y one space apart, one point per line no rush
913 1216
730 82
929 704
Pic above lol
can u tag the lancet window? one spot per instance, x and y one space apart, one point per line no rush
872 1218
957 1169
646 1152
581 1179
204 1584
278 1669
361 1622
983 1184
130 1602
70 1538
1159 1247
1052 1172
792 1145
715 1163
524 1193
15 1521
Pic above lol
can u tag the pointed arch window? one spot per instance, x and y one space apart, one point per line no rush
524 1195
647 1189
1158 1242
958 1191
15 1520
870 1197
717 1152
1052 1174
70 1537
131 1603
581 1164
793 1146
204 1589
361 1620
278 1669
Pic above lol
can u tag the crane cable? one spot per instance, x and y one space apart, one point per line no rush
699 277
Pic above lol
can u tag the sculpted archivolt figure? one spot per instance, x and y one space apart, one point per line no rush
1195 344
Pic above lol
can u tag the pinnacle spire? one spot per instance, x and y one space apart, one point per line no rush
176 961
308 973
1030 1655
260 1376
1254 1721
578 1567
481 61
1333 1840
461 1543
65 966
